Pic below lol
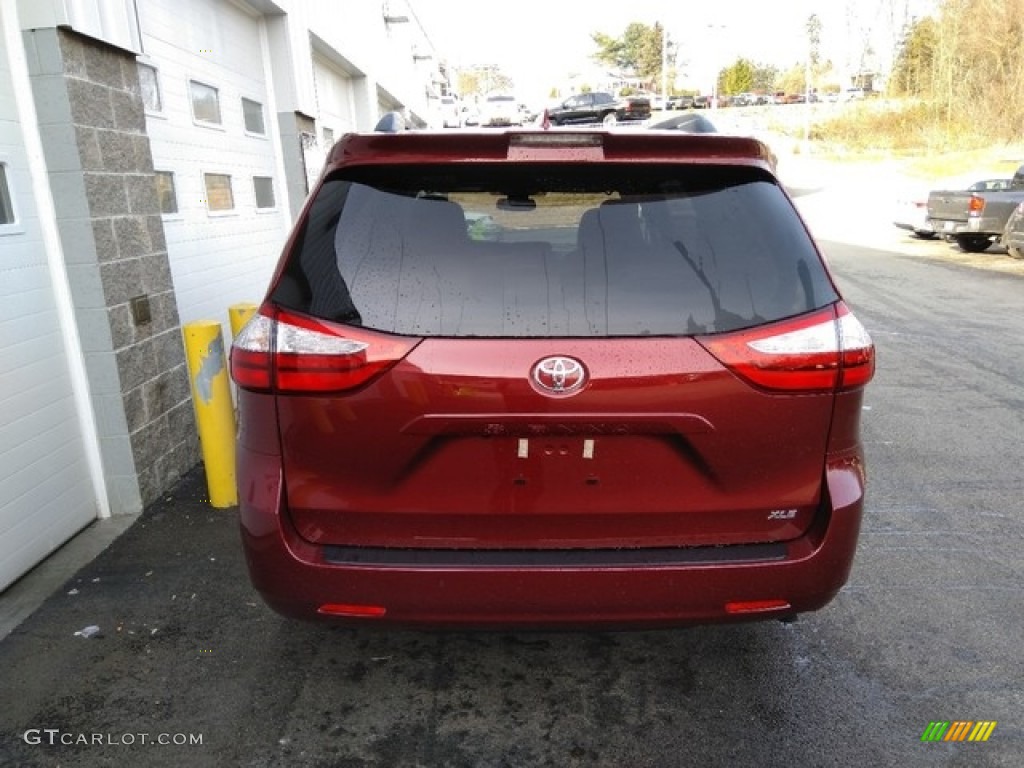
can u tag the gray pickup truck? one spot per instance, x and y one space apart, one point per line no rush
975 219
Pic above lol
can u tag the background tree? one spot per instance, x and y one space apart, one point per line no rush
813 52
737 78
610 50
793 80
765 77
638 51
479 81
915 59
968 66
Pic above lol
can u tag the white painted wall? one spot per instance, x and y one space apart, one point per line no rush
217 258
336 105
46 485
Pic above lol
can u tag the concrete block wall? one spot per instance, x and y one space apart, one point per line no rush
98 155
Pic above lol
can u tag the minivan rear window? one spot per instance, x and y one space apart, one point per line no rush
571 250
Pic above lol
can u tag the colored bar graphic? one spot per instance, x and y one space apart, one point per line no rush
935 731
958 730
982 730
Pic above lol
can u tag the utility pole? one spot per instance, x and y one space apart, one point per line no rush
813 43
664 65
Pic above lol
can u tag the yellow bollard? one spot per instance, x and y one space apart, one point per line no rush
215 413
239 315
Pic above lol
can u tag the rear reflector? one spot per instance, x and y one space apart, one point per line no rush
757 606
352 610
824 351
286 353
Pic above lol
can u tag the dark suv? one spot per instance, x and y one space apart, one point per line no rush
600 107
567 378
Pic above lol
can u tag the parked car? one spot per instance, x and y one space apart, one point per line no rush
451 112
669 102
500 109
975 218
701 102
912 209
632 408
599 107
911 214
1013 234
749 99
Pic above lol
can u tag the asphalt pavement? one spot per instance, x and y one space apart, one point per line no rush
119 657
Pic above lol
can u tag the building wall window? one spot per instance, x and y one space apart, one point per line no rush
328 138
218 192
150 86
205 103
6 201
263 186
252 111
165 191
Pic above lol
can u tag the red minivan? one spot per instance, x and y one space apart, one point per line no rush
554 377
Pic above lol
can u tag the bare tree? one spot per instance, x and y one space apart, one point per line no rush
978 66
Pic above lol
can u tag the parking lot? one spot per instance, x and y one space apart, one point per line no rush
189 667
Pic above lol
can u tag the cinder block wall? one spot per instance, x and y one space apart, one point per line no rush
101 172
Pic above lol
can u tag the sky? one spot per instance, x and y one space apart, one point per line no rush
538 42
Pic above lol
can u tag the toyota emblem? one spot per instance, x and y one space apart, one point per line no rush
559 375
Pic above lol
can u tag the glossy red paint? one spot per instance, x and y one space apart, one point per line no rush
613 480
480 459
294 578
454 502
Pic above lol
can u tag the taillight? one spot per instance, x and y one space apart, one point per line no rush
250 354
825 351
975 205
293 354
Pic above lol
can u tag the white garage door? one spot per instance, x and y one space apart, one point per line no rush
210 120
46 494
335 101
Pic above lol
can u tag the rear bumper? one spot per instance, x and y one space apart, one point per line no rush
924 226
984 225
948 227
700 585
